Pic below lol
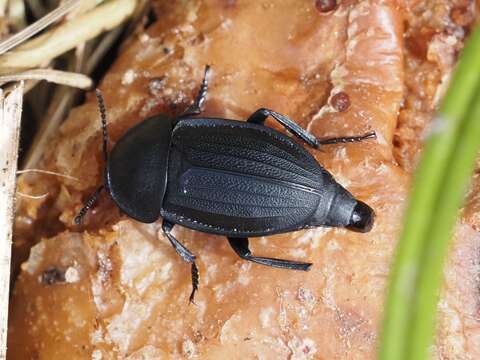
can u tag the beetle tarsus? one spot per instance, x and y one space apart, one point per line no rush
194 283
240 246
348 139
184 253
196 107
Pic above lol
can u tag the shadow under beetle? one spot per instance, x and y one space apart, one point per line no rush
220 176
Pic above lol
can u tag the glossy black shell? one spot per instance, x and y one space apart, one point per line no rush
236 178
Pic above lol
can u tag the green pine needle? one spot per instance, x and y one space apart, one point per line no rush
438 191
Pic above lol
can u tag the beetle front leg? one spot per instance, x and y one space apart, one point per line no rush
240 246
184 253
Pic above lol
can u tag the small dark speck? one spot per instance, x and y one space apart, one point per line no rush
325 5
247 338
166 50
52 276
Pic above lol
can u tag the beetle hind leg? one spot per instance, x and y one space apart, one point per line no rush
240 246
184 253
259 117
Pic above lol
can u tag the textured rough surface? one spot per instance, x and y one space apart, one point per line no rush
116 288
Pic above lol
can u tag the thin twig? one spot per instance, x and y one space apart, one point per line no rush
37 26
33 197
56 76
40 171
68 35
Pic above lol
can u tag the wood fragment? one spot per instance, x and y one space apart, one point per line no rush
10 117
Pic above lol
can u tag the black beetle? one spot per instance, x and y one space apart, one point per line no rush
220 176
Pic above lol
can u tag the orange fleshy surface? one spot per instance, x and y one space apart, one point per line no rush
123 291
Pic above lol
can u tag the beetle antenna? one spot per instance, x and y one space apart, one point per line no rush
331 141
103 115
91 200
196 107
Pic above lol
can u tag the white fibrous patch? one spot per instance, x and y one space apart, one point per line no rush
128 77
35 259
229 332
329 289
209 275
298 253
227 24
72 275
97 355
370 32
243 276
302 349
124 326
306 297
266 316
144 38
165 271
312 237
188 348
96 336
333 245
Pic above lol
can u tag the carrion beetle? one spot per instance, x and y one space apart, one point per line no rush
228 177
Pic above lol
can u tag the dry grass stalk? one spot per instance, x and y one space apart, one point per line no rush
68 35
10 116
47 172
37 26
56 76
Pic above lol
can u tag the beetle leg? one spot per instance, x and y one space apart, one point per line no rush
184 253
259 117
196 107
240 246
